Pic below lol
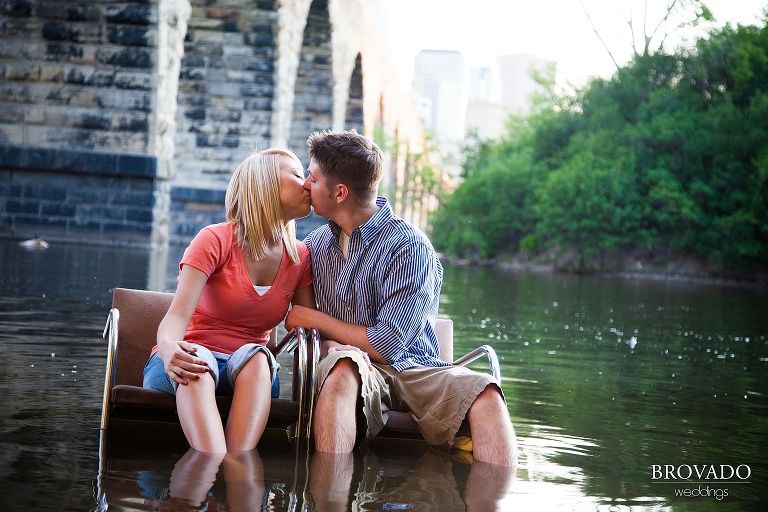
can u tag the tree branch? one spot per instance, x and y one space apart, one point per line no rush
594 29
648 39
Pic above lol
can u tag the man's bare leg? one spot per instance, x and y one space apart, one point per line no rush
493 437
330 480
335 424
487 486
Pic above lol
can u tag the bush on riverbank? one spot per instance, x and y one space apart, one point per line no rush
667 159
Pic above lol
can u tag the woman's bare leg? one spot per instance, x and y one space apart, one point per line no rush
250 405
199 416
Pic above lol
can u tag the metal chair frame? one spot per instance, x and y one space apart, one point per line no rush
307 345
308 350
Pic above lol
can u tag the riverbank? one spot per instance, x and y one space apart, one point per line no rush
629 266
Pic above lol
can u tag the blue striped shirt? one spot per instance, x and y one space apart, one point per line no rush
390 282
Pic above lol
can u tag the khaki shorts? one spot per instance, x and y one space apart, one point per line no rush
437 398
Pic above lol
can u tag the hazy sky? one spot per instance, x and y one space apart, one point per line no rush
552 29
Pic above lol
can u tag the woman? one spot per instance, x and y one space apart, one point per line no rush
235 284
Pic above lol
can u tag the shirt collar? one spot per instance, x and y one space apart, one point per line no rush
372 226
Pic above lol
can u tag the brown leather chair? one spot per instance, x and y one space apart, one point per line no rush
131 331
401 424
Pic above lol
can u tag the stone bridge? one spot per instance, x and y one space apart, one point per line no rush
121 122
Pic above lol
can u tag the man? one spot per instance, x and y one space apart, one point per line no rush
377 284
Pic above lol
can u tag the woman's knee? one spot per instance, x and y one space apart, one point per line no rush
257 366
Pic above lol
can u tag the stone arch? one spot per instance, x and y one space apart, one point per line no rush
354 113
226 86
225 90
175 94
313 89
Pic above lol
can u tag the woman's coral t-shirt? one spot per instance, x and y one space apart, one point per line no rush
230 312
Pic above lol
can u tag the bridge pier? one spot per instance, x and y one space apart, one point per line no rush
121 122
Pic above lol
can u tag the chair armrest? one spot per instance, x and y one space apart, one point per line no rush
310 355
306 355
289 342
110 334
484 350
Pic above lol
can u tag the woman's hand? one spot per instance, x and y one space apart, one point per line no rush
180 362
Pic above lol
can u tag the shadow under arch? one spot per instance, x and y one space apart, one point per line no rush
313 90
354 115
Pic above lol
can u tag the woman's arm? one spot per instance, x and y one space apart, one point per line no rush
305 297
176 354
301 297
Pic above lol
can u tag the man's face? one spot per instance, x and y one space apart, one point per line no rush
320 195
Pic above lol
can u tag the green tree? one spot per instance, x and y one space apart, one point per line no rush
591 204
491 210
670 154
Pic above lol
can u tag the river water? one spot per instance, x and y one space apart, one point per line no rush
620 391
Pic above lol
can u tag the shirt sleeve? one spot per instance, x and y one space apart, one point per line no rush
204 252
407 293
305 267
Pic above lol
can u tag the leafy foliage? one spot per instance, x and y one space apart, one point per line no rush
670 153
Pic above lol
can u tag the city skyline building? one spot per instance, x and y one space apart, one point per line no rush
438 93
505 89
438 76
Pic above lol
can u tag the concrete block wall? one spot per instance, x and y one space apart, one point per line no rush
65 195
194 208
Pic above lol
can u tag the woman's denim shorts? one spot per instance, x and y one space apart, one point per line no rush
220 365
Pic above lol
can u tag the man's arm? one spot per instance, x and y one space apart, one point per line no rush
331 328
408 293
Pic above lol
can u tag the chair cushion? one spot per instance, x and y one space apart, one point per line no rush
140 314
400 423
134 396
133 402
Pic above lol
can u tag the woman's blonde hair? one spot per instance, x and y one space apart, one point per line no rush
253 204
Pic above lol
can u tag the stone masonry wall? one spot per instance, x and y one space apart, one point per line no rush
77 106
313 86
354 118
225 101
64 194
78 74
226 89
122 121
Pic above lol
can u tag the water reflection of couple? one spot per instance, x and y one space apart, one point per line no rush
193 477
374 298
431 480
